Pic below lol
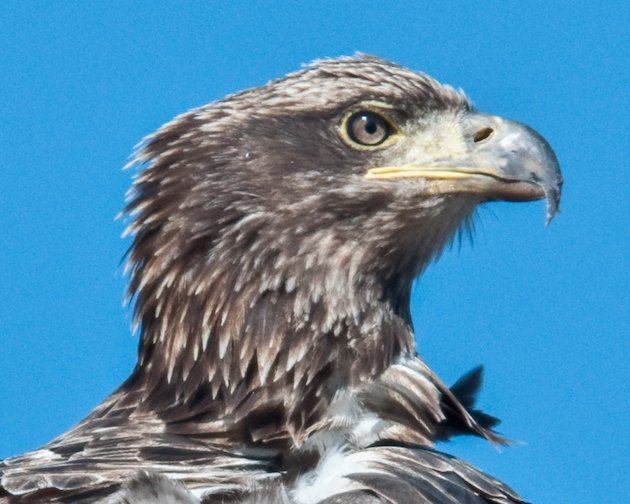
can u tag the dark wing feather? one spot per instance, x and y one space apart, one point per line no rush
465 391
152 488
421 475
362 497
101 454
382 475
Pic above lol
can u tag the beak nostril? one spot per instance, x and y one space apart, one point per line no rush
482 134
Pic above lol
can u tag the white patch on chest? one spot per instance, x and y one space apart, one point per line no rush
330 476
351 429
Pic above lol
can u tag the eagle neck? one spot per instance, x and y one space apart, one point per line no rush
251 329
243 339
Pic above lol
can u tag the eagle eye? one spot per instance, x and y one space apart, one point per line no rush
368 128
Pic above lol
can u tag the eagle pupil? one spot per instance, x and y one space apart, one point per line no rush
371 127
368 128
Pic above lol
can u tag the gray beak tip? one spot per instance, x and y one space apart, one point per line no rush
552 195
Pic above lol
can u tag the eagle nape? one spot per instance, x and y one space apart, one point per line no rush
275 237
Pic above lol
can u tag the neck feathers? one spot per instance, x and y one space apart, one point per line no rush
255 334
255 311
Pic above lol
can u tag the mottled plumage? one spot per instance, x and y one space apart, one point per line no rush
271 266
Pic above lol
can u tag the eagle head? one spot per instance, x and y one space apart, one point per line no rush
276 232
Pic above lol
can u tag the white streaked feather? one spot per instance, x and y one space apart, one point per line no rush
330 476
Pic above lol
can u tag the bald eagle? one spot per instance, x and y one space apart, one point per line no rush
276 234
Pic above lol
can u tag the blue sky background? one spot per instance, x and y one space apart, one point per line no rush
545 309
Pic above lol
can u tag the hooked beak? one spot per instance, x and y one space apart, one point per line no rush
497 158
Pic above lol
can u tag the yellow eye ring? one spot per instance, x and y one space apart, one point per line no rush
368 127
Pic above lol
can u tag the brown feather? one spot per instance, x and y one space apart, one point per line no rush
271 285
